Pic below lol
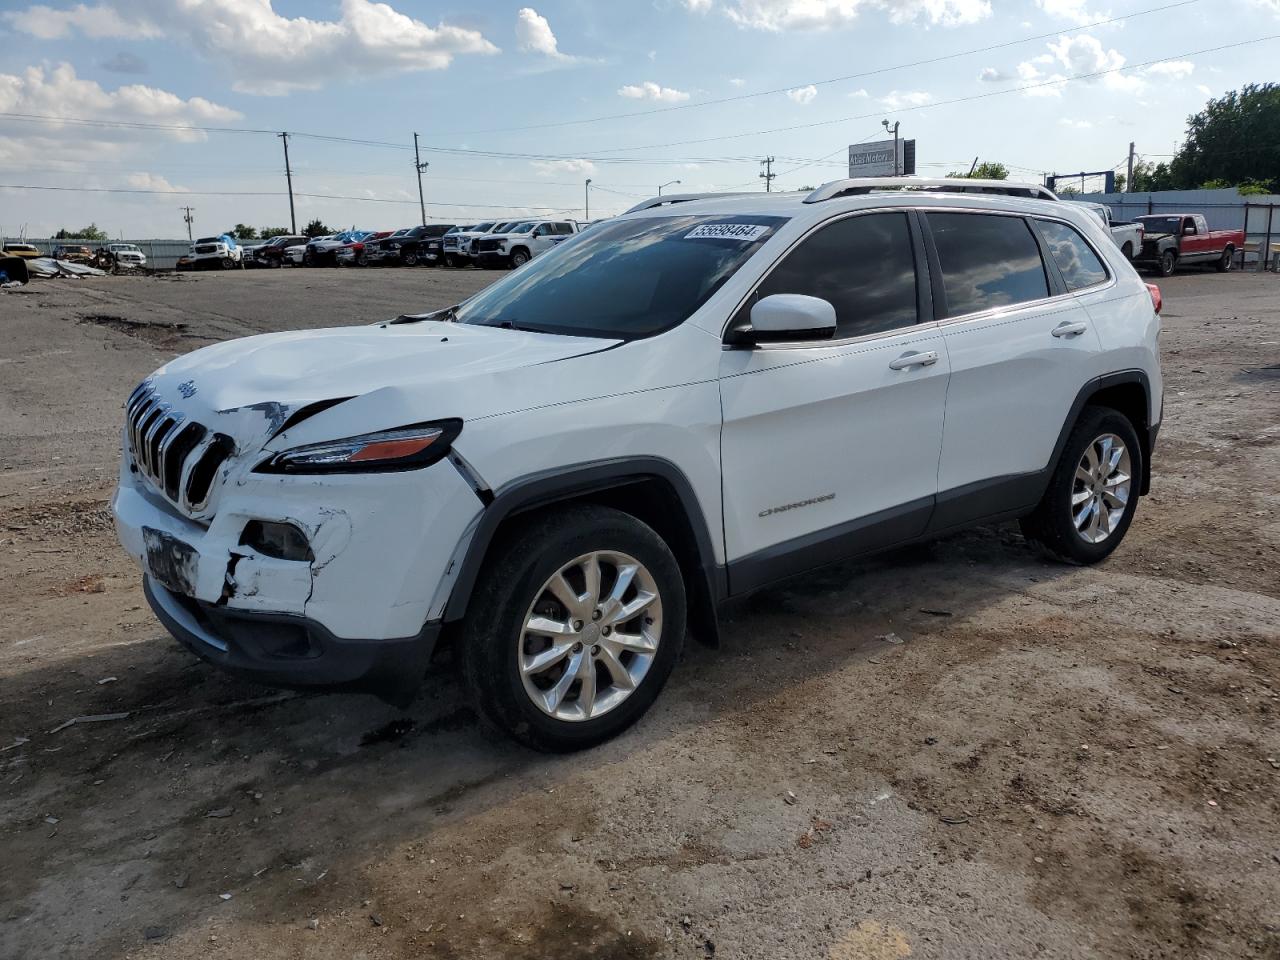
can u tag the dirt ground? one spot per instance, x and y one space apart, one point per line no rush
957 751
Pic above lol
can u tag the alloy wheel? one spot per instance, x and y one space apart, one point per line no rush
590 636
1101 488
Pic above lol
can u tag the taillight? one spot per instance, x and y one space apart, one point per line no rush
1157 301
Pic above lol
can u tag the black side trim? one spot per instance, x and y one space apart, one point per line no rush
854 538
988 500
559 485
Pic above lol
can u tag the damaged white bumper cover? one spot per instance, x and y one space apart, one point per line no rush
364 609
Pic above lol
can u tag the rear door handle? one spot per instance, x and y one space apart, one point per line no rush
914 359
1069 329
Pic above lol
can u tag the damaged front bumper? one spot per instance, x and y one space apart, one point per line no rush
361 609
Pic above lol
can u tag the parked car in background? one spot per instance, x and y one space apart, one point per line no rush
271 253
996 353
127 255
221 251
449 245
522 243
408 246
323 251
1127 234
26 251
465 255
75 253
356 252
296 254
1172 240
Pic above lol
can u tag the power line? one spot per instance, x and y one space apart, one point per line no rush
818 83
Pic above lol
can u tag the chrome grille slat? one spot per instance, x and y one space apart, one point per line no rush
167 447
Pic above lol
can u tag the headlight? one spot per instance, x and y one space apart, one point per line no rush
405 448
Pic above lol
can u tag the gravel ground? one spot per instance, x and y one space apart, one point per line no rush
959 750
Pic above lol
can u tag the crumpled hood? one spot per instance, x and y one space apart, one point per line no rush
298 367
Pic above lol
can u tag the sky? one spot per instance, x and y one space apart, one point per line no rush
134 109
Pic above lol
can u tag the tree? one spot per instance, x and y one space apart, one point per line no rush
1234 140
1148 177
987 170
242 232
316 228
266 233
91 232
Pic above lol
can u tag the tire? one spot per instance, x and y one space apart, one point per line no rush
512 589
1127 250
308 259
519 257
227 263
1226 261
450 260
1168 263
1067 530
410 259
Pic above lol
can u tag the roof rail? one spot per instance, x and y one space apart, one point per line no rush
671 198
862 185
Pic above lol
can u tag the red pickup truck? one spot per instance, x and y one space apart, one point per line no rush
1170 240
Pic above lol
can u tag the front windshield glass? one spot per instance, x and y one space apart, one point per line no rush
483 227
1161 224
523 228
627 279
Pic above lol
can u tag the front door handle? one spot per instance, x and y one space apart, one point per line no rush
1069 329
914 359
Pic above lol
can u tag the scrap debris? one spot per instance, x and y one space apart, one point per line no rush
95 718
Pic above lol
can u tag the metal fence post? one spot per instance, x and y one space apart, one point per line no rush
1264 260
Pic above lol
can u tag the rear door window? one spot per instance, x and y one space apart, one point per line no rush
987 261
1080 266
864 266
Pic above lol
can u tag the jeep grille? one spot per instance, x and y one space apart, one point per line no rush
178 456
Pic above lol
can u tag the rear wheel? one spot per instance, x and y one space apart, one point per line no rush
1093 492
575 626
1168 263
1127 250
1227 260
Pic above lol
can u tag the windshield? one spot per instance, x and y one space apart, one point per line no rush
524 228
483 227
1161 224
209 240
627 279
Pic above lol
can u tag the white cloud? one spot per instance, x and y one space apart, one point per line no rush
1080 56
1073 11
893 100
1172 69
779 15
859 94
58 92
547 167
803 95
737 82
533 34
100 21
272 54
652 91
152 181
992 75
1205 91
1075 124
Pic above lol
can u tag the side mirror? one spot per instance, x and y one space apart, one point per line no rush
791 316
1189 230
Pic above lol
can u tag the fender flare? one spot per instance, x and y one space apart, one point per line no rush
560 484
1145 431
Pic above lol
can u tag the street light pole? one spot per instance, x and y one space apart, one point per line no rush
895 143
586 200
667 184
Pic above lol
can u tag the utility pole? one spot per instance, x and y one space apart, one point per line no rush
896 123
767 174
1128 180
420 166
586 200
288 176
186 215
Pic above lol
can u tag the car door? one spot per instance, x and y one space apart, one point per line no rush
830 448
1021 348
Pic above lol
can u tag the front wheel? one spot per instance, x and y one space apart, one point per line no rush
519 258
574 628
410 259
1093 492
227 263
1227 260
1168 263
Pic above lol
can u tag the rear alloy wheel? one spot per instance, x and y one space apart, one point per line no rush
1168 263
574 628
1127 250
1093 493
1227 260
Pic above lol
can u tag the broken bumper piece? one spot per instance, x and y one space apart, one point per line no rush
292 651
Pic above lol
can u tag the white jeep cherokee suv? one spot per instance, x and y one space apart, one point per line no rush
682 405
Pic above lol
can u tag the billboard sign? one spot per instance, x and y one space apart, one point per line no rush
876 159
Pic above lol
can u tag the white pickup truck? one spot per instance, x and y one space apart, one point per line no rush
522 242
1127 234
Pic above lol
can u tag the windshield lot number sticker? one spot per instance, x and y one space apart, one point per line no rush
746 232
